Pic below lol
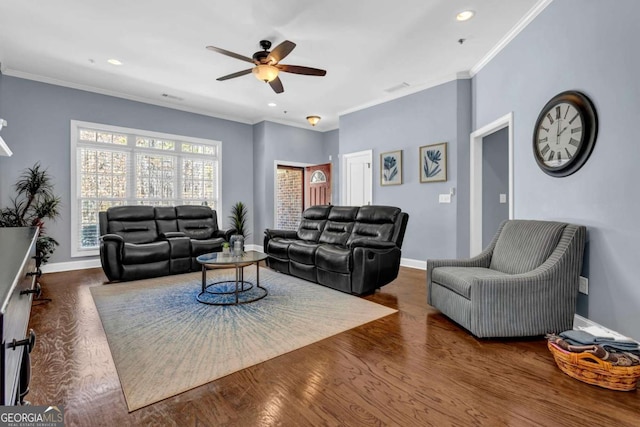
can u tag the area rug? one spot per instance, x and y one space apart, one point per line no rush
164 342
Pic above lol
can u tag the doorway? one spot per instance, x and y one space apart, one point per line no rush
357 178
477 140
298 186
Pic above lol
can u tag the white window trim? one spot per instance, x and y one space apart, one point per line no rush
75 126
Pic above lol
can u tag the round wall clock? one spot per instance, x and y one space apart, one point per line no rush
565 133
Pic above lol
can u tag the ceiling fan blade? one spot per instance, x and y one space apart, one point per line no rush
297 69
276 85
234 75
231 54
280 51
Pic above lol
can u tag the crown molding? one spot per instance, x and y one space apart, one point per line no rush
520 25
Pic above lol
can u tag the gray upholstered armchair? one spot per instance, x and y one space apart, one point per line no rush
524 284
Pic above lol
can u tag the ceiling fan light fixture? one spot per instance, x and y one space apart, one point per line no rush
313 120
465 15
265 72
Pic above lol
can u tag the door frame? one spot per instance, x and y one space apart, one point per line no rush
475 176
277 163
343 173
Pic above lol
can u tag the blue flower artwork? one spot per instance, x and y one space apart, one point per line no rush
391 168
433 162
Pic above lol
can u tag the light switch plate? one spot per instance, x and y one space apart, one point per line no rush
503 198
584 285
445 198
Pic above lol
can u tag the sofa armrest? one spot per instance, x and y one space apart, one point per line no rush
373 244
172 234
225 234
287 234
112 238
111 247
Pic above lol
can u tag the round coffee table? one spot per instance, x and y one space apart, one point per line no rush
221 293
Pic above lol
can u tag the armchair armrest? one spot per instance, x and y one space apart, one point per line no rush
373 244
172 234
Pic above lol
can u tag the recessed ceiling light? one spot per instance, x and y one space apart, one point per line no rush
465 15
272 104
113 61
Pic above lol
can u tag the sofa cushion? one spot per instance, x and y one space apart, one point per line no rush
377 214
339 225
166 219
313 222
279 247
197 222
460 279
374 223
145 253
524 245
303 252
135 224
334 258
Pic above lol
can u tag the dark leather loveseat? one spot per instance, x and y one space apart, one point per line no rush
144 241
351 249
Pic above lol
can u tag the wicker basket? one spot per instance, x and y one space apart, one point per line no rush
592 370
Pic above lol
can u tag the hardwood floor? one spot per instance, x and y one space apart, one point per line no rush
414 367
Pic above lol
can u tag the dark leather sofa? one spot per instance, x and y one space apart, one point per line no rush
351 249
138 242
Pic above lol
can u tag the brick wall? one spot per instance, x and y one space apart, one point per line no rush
290 189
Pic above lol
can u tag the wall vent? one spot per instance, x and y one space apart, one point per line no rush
397 87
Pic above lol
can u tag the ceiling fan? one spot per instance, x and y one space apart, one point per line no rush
267 64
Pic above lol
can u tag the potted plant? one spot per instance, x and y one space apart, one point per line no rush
239 217
34 203
225 248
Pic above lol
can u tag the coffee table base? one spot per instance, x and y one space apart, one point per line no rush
239 294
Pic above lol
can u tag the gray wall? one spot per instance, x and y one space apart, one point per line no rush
495 181
273 141
587 45
423 118
39 114
331 142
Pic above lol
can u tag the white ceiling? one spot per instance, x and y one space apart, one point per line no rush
366 46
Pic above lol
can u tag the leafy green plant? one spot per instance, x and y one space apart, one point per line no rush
34 203
239 218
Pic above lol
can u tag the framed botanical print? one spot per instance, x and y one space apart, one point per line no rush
433 162
391 168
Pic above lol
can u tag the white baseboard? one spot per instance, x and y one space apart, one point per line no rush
258 248
413 263
580 322
71 265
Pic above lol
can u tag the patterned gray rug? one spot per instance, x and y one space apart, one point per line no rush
164 342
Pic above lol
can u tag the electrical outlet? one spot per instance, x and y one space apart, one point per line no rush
584 285
444 198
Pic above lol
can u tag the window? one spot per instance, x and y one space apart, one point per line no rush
114 166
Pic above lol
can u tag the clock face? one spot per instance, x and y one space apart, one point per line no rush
560 135
565 133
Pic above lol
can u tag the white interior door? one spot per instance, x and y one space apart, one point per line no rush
357 179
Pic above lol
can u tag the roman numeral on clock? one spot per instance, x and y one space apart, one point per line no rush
557 112
576 130
568 153
550 118
551 155
545 150
574 117
545 139
574 142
